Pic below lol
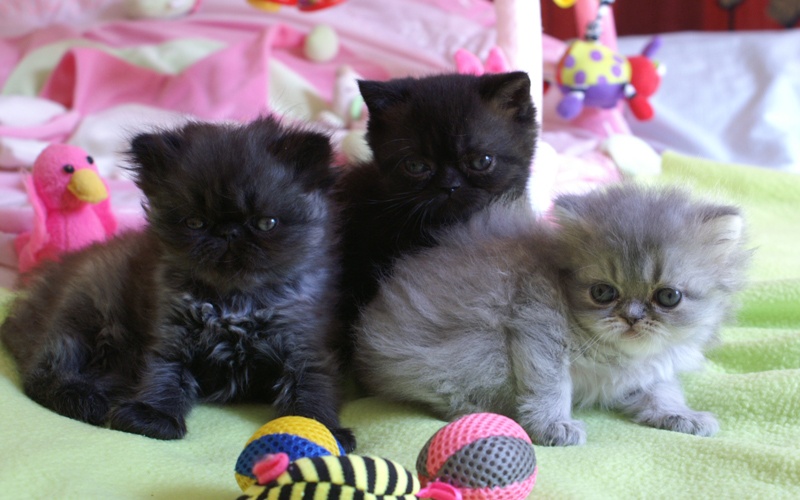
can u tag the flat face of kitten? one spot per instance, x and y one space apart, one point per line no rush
446 145
647 270
236 205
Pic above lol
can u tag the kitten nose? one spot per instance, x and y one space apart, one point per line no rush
450 180
633 312
229 231
631 321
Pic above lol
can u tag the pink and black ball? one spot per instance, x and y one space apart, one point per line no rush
485 455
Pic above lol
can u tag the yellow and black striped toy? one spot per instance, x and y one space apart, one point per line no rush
349 477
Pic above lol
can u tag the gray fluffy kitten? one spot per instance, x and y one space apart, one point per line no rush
530 319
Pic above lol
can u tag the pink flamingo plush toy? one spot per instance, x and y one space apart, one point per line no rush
70 204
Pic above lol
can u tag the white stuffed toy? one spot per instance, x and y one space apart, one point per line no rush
161 9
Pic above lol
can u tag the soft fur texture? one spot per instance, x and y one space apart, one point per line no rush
500 316
226 295
444 146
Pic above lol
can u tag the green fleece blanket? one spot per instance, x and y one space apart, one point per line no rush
752 384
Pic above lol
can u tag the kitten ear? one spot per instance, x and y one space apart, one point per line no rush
723 233
152 155
570 221
311 155
572 218
378 96
510 93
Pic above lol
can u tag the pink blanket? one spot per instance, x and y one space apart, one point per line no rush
233 83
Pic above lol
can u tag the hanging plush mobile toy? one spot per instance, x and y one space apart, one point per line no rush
591 74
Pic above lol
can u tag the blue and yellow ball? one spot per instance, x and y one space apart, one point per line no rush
298 437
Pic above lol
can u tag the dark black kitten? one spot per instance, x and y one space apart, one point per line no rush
444 146
225 296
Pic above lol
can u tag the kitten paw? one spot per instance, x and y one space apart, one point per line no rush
563 433
346 438
699 423
79 401
141 418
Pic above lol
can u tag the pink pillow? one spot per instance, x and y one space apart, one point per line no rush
18 17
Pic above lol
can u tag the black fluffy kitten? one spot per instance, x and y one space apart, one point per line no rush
444 147
225 295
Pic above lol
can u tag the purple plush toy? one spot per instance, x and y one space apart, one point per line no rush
591 74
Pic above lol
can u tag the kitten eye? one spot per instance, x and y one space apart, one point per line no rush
417 167
482 163
194 223
668 297
266 223
603 293
69 169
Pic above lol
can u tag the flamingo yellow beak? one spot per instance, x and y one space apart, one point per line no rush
265 5
87 186
565 4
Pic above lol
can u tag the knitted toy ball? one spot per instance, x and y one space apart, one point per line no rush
348 477
297 437
485 455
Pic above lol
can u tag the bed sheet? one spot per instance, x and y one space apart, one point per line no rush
729 96
752 384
